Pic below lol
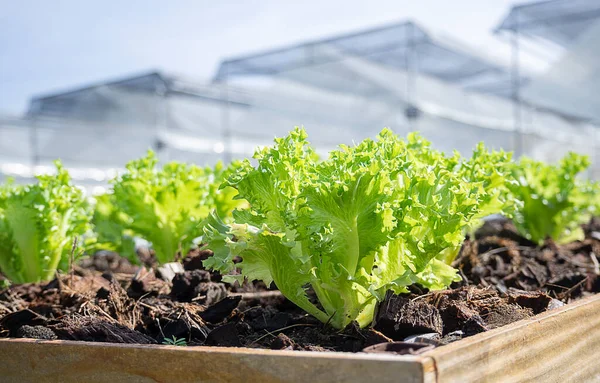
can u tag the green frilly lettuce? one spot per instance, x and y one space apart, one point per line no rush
38 224
554 202
165 206
372 217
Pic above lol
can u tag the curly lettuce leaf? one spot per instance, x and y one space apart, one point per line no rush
38 224
110 228
491 172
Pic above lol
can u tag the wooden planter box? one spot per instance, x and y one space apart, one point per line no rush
557 346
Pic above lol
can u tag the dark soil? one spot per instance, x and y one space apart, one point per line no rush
500 259
106 299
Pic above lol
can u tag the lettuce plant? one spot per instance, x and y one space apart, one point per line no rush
222 197
372 217
165 206
491 171
111 233
553 201
38 224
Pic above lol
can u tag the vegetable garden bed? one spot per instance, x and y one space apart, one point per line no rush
548 347
376 251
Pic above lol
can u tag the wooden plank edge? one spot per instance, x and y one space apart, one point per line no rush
500 354
71 361
555 346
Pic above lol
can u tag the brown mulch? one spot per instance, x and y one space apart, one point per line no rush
106 299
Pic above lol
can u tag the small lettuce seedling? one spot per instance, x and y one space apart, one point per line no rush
372 217
553 201
165 206
38 224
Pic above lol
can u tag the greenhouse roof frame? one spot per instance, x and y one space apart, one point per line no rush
558 21
152 82
405 45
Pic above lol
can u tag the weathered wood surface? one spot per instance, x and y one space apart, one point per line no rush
562 345
24 360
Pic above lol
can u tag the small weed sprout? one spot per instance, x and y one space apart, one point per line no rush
174 341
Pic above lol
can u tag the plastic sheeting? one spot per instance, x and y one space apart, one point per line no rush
342 97
572 83
558 21
232 122
404 46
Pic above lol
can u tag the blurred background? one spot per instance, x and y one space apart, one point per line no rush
98 83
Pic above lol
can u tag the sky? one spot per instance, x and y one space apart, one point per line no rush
50 46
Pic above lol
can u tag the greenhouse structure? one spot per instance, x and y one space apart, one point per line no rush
341 89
